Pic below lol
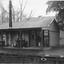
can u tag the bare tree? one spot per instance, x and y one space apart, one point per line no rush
30 15
16 15
22 9
4 13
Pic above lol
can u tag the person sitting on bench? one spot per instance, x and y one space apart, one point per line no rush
24 43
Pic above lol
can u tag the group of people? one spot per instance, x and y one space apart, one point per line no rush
22 43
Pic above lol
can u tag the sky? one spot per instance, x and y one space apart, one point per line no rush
38 7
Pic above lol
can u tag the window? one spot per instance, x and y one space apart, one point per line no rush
33 34
46 38
46 33
3 37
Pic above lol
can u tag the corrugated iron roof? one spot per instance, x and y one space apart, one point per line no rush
31 23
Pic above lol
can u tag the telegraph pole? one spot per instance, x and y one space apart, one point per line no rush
10 13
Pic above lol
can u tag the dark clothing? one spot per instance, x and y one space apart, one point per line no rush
18 42
38 40
24 43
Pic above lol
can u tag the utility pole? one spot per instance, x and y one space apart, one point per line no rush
10 13
10 20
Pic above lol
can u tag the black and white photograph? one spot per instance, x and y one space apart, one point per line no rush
31 32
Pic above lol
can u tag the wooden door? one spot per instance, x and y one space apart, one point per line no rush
32 38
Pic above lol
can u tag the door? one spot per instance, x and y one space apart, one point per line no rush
32 38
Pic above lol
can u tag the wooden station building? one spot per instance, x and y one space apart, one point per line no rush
40 35
31 41
43 32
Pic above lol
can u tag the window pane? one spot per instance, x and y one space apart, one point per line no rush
46 41
33 34
46 33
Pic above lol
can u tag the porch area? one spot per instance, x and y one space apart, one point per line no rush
24 38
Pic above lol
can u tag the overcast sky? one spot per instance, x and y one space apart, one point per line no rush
38 7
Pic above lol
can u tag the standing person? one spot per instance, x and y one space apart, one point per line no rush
26 43
23 42
18 42
38 40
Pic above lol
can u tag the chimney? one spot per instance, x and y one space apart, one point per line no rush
10 13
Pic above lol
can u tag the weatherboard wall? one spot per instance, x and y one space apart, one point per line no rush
61 37
54 39
54 34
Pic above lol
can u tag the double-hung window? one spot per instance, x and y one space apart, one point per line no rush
46 38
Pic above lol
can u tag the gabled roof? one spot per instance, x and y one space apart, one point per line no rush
31 23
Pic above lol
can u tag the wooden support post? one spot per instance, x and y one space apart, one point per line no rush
1 36
5 39
41 44
20 37
9 39
29 37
